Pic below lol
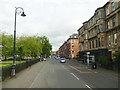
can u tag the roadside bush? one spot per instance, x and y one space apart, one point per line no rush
116 60
103 60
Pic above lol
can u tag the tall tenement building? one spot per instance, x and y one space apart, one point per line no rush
100 35
69 49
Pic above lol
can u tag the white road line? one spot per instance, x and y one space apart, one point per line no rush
88 86
34 81
75 76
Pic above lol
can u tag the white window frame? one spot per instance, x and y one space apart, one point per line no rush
113 6
72 45
115 39
107 9
85 36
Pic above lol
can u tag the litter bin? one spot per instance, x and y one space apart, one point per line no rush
13 70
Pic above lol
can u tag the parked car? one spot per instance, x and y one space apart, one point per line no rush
44 59
62 60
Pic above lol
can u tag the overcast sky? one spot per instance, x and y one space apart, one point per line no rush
56 19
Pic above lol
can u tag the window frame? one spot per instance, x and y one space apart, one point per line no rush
108 24
107 10
115 39
113 6
102 41
100 13
114 21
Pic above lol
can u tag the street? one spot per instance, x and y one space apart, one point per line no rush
53 74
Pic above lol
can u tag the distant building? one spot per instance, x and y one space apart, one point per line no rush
100 35
69 49
53 52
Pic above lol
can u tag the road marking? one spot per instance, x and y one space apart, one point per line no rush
78 70
88 86
75 76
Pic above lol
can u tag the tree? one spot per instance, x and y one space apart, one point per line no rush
26 46
47 47
29 46
7 45
116 58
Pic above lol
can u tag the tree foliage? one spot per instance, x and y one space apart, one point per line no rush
26 45
7 45
116 57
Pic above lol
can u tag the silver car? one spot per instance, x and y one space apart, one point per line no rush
62 60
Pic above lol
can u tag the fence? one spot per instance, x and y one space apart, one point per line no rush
6 71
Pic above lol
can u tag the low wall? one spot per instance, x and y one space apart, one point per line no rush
6 71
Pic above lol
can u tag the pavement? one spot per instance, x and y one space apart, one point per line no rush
72 74
100 70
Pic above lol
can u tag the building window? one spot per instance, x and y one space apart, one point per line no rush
96 44
92 21
85 36
108 25
72 45
90 45
85 26
86 46
113 21
92 33
109 40
89 23
107 10
72 41
101 14
98 29
72 50
101 27
119 3
95 20
93 43
97 15
82 47
72 55
115 39
113 6
99 42
102 41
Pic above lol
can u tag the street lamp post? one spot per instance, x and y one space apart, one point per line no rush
18 10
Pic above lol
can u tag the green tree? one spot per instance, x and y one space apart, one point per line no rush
47 47
116 58
7 45
29 46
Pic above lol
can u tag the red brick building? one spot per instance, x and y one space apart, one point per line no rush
69 49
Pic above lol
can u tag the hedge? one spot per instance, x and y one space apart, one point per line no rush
6 71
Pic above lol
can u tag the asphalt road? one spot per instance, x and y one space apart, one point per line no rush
53 74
